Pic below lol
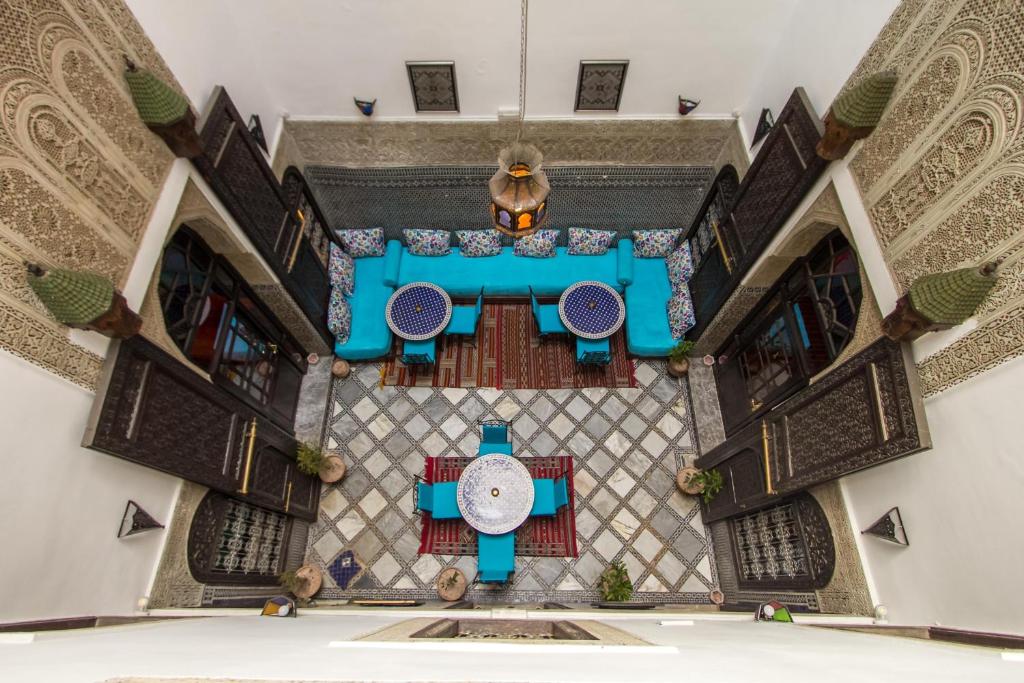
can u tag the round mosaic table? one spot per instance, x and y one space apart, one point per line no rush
591 310
495 493
418 311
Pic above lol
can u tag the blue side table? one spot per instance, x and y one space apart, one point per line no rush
417 313
591 310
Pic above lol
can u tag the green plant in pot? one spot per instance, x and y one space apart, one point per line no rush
678 358
615 585
312 460
697 482
303 583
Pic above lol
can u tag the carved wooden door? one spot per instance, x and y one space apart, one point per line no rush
237 170
783 171
155 411
865 412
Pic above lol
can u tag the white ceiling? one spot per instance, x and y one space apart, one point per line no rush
309 58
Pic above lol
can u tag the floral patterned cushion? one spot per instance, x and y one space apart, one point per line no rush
540 244
654 243
428 242
680 313
342 270
590 242
680 266
479 242
363 242
339 316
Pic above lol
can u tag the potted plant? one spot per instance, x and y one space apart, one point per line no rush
312 460
678 358
303 583
451 584
615 585
706 483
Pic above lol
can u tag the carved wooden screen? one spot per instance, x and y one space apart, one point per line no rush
234 166
864 413
784 170
155 411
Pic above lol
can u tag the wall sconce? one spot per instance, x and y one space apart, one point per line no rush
365 106
255 127
764 125
889 527
686 106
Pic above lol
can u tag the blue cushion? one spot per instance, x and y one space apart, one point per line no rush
370 336
507 274
625 257
496 556
647 330
392 261
543 497
593 350
549 321
494 433
561 492
486 448
424 496
445 503
418 351
463 320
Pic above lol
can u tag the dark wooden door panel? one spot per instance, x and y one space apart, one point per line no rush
303 500
866 412
159 413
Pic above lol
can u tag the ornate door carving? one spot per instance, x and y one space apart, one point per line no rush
865 412
784 170
234 165
153 410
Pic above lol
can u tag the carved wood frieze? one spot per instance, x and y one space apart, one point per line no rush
78 171
943 174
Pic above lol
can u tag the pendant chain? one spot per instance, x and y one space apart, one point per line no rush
525 6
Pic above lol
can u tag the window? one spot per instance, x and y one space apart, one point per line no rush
796 332
215 320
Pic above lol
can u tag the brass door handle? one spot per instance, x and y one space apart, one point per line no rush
288 497
298 240
721 247
248 459
767 460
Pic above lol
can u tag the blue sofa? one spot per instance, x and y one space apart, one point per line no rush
644 282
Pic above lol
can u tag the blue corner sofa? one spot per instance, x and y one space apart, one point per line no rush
644 281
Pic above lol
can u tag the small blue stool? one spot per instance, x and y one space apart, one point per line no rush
418 352
543 498
593 351
496 556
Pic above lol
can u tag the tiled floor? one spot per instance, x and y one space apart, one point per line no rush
627 445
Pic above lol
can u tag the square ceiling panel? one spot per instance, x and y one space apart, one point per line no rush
600 85
433 86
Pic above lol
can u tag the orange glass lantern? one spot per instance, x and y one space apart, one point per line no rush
519 191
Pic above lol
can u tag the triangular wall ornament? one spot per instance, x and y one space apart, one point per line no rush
136 520
764 125
889 527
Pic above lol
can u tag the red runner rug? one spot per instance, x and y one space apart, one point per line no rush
537 537
509 355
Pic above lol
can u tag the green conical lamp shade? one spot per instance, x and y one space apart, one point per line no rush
158 103
74 298
862 105
953 297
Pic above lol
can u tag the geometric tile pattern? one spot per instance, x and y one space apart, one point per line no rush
627 445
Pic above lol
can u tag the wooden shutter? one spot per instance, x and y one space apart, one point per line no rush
784 170
235 167
865 412
155 411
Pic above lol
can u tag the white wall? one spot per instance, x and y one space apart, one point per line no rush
962 504
253 647
818 50
311 58
62 504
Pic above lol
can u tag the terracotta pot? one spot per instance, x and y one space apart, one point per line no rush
678 368
340 368
311 578
333 469
456 590
685 483
717 597
313 358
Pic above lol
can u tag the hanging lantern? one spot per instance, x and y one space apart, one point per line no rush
519 191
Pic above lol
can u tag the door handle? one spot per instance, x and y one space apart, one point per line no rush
767 460
298 239
248 459
288 497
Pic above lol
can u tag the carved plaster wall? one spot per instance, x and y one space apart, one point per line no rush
697 142
79 172
942 176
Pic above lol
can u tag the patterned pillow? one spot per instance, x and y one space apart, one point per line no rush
339 316
479 242
654 243
680 313
428 242
680 266
342 270
363 242
540 244
589 242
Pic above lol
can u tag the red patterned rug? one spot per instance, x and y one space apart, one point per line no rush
537 537
509 355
